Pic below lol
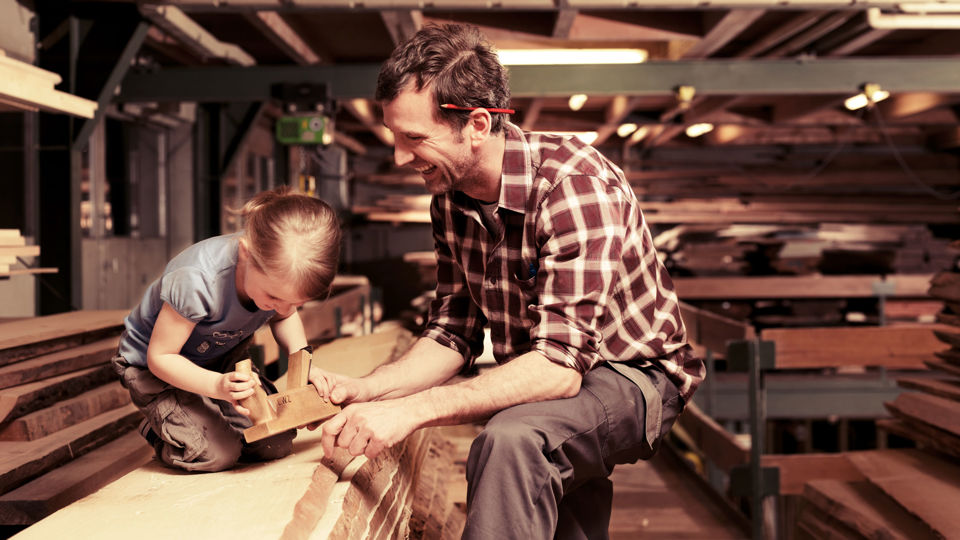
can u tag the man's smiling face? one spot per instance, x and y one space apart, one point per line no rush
441 154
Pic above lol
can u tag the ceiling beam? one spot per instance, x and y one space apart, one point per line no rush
808 36
175 22
531 114
728 28
275 29
362 110
781 33
402 24
709 77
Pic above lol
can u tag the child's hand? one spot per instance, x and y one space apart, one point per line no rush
233 387
335 388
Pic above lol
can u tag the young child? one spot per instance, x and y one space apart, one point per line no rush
177 354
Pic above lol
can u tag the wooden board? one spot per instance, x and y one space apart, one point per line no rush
19 400
31 337
946 286
948 388
924 435
798 469
943 367
66 413
814 286
921 483
48 365
950 356
253 500
932 410
899 347
719 445
713 331
865 509
41 497
949 337
21 462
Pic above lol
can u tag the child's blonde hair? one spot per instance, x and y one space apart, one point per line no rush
293 236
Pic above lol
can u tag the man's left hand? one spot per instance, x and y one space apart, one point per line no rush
368 428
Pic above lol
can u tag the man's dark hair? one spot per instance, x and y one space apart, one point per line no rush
460 64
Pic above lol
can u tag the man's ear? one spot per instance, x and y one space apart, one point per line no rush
480 123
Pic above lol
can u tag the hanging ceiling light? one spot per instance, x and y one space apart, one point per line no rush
696 130
872 93
577 101
626 129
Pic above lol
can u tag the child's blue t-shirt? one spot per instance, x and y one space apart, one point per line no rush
200 284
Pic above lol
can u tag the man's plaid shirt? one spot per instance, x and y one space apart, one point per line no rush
565 266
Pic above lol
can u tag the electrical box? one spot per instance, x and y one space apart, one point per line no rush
304 129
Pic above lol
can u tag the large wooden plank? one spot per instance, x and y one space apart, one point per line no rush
815 286
948 388
63 414
48 365
253 500
798 469
898 347
719 445
865 509
21 462
711 330
39 498
19 400
27 338
924 435
935 411
923 484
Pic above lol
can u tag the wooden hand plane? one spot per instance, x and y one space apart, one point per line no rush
300 404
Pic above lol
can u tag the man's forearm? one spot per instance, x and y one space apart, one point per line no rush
426 364
525 379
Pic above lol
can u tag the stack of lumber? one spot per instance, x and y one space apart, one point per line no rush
404 492
13 248
887 494
930 413
66 424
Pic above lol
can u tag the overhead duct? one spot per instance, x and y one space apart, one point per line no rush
917 17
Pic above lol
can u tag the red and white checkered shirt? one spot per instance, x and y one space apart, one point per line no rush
565 266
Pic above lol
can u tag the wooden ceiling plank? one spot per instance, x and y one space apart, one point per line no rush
822 28
175 22
363 111
909 104
402 24
727 29
564 22
281 34
859 42
781 33
531 114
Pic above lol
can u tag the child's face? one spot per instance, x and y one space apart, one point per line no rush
267 292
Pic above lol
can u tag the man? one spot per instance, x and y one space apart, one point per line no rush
541 238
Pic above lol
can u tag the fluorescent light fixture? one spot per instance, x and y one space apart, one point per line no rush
550 57
861 100
576 101
587 137
696 130
626 129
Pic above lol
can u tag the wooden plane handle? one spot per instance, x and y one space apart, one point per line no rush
259 406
